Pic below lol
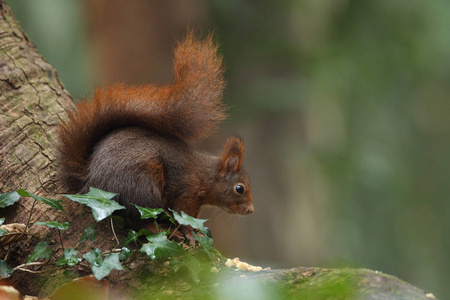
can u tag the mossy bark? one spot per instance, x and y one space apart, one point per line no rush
295 283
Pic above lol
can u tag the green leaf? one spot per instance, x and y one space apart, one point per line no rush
5 270
2 231
124 254
60 226
99 201
185 219
23 193
50 202
7 199
102 267
110 263
160 247
133 235
94 257
69 258
206 242
89 234
40 251
149 213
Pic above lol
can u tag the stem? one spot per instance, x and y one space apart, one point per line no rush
37 263
7 253
179 225
61 240
29 218
26 227
115 236
37 272
112 251
157 226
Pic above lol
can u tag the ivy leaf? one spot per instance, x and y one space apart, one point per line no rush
111 262
102 267
5 270
94 257
69 258
50 202
2 231
99 201
89 234
40 251
124 254
160 247
133 235
206 242
185 219
7 199
149 213
60 226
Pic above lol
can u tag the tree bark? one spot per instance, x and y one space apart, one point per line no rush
33 101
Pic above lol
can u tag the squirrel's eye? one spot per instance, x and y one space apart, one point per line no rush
239 189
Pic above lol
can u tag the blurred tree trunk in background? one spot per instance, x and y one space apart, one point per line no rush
134 41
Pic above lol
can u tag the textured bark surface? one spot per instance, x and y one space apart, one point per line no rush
33 101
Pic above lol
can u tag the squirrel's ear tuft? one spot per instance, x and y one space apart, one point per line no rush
232 155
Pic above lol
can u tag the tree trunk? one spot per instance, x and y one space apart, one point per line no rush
133 42
33 102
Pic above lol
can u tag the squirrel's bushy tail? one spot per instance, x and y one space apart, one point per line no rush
189 108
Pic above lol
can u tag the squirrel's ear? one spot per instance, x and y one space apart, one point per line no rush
232 154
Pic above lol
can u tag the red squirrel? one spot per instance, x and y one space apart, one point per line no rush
135 141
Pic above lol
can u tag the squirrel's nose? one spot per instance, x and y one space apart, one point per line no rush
250 209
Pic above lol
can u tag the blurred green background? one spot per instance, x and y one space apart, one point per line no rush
344 107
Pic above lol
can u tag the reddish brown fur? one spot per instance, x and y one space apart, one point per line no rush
232 154
190 108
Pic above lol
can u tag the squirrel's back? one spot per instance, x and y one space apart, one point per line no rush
188 109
